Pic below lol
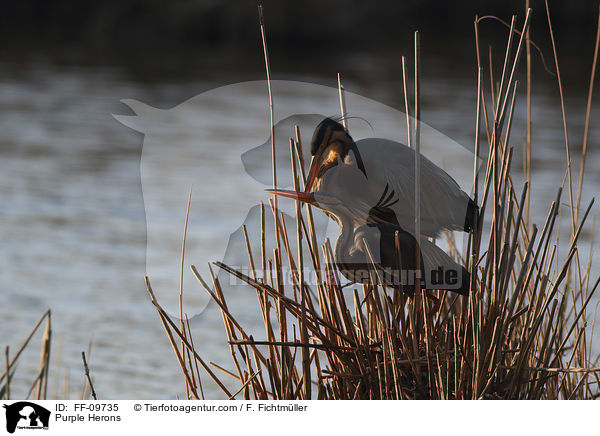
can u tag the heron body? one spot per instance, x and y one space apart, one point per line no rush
378 251
386 165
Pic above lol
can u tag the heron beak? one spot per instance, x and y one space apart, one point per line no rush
315 164
305 197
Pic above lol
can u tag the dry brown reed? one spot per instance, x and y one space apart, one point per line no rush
40 382
38 390
520 334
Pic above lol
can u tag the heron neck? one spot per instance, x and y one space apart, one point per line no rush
344 240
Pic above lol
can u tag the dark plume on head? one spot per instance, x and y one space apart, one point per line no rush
321 130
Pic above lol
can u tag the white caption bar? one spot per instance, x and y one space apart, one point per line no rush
296 417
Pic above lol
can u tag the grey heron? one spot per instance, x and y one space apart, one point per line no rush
387 164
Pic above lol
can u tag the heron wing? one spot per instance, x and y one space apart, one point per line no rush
392 164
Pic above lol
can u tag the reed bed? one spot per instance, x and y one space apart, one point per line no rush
522 333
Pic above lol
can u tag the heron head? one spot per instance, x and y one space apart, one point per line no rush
329 146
